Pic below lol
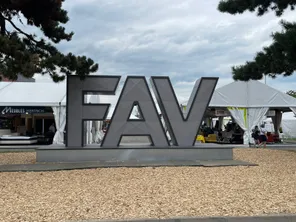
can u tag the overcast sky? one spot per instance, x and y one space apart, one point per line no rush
185 39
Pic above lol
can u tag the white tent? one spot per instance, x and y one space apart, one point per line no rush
47 95
250 94
38 94
4 84
249 102
288 126
32 94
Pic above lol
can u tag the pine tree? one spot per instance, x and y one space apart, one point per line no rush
27 54
277 59
291 93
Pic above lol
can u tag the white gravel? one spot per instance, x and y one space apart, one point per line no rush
123 193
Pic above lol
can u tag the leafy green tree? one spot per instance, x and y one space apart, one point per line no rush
277 59
24 53
291 93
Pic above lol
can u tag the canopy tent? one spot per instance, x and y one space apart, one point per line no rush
288 127
251 94
4 84
249 102
38 94
32 94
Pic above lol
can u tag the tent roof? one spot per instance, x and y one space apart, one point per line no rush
250 94
4 84
239 94
32 94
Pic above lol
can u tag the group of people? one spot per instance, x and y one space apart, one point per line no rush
260 136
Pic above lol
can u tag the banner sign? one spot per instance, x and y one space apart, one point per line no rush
183 128
21 110
270 113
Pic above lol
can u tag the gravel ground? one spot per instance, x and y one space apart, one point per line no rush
124 193
17 158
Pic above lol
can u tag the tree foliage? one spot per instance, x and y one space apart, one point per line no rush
25 53
280 57
291 93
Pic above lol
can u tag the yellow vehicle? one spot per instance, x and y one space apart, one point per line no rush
200 138
211 138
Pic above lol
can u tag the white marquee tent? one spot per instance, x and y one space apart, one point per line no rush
249 102
289 128
32 94
288 125
38 94
251 94
47 95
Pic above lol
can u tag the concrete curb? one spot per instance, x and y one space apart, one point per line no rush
267 218
39 167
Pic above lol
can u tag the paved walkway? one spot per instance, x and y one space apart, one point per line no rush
89 165
268 218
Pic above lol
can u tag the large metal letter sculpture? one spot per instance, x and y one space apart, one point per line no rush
135 91
78 111
183 130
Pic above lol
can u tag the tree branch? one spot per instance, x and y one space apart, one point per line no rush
20 31
2 58
2 25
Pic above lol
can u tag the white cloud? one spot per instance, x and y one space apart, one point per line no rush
42 78
182 39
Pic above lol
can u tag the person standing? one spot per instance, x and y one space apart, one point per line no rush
263 136
256 135
50 133
52 128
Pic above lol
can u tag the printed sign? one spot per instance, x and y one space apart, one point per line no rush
183 128
21 110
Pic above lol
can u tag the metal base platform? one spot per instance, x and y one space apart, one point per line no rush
138 153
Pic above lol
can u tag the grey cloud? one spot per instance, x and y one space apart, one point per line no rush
183 39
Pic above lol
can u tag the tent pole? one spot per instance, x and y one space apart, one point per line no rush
43 126
248 133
